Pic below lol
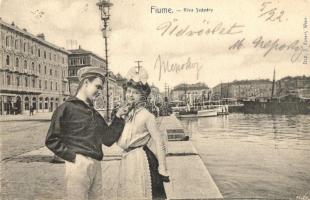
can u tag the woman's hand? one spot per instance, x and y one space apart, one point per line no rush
122 111
164 175
164 178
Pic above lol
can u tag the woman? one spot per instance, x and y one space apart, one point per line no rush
143 166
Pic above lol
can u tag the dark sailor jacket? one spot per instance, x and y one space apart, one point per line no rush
78 128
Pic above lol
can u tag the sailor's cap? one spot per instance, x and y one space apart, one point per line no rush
91 71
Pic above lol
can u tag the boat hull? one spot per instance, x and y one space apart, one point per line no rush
207 113
187 116
276 107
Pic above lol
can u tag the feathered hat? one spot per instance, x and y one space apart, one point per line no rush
137 78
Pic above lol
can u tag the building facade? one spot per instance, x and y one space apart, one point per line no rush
243 90
115 91
262 88
155 96
185 92
299 85
32 72
121 81
119 95
79 58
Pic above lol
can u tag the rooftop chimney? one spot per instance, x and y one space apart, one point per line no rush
41 35
80 47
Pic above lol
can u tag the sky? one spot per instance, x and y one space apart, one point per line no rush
138 33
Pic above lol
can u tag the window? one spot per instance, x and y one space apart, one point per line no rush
55 73
50 55
63 60
7 60
56 86
25 47
21 44
39 68
32 65
45 54
7 41
8 79
26 81
16 44
31 49
18 80
46 103
45 84
17 62
51 72
51 85
45 69
33 83
39 52
40 84
25 64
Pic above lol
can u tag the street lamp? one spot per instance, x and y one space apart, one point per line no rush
104 7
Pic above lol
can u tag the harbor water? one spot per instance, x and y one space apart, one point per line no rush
255 156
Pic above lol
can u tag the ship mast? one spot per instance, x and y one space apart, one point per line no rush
273 82
221 91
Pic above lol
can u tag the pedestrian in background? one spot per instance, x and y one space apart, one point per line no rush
31 110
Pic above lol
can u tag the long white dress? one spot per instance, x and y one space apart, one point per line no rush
135 178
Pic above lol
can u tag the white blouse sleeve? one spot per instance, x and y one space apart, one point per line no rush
159 143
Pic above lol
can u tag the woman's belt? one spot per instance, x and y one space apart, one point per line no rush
133 148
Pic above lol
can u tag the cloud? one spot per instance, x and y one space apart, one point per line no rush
134 35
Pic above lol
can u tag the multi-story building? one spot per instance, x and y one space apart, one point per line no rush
189 91
32 71
121 81
244 89
78 59
115 91
299 85
221 90
262 88
155 96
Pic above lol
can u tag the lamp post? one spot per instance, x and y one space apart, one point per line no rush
104 7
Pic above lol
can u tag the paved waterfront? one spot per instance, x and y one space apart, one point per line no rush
26 171
22 133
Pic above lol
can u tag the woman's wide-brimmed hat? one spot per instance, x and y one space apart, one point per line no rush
137 78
